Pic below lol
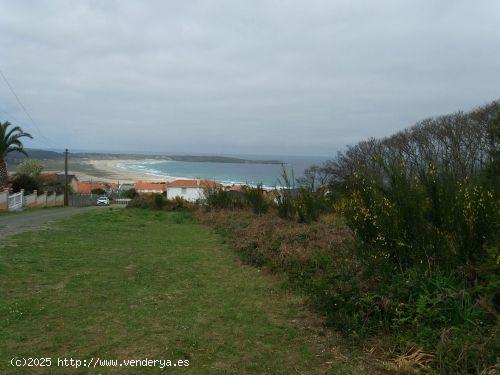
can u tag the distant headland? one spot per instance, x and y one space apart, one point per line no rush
48 155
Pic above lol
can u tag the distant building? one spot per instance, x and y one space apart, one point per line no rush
86 187
236 192
55 182
233 188
150 187
125 187
72 180
190 190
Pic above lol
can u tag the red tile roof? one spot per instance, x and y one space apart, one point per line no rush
194 183
87 186
234 188
157 186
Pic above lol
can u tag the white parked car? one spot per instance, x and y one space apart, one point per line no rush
103 201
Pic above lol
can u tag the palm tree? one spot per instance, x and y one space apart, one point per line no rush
9 141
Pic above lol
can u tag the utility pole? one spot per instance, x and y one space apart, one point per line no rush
66 177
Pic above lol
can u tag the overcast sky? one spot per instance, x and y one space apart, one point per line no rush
261 77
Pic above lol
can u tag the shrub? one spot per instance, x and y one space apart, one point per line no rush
284 199
305 203
255 198
216 197
141 201
51 182
310 204
130 193
98 191
429 220
30 167
285 204
153 202
28 183
439 313
179 204
159 201
423 267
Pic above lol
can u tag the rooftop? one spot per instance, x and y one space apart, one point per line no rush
198 183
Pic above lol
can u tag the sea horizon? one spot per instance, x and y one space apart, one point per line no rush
225 173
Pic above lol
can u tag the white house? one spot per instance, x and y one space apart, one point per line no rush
190 190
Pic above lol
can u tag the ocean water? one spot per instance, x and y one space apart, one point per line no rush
225 173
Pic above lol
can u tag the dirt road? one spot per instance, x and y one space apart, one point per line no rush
25 221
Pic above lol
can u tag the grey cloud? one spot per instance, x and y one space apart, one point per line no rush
298 77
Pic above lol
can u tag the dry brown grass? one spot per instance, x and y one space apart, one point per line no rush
413 361
276 240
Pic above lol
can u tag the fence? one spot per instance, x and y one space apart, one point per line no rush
15 201
82 200
121 201
18 201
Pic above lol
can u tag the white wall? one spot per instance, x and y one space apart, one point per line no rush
192 193
149 191
30 200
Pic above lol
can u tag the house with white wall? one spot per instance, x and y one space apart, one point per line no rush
150 187
190 190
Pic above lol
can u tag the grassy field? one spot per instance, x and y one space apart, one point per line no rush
135 284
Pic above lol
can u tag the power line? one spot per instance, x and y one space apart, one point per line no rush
23 107
10 117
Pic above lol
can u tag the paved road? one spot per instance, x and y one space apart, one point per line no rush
36 219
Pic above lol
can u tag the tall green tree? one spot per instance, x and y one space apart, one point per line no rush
10 140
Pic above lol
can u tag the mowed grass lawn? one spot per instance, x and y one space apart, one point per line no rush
134 284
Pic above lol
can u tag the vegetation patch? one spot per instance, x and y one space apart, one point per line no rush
396 237
137 283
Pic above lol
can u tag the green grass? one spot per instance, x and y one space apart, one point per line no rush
134 284
28 210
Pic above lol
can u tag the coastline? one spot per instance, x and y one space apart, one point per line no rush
114 172
131 169
107 170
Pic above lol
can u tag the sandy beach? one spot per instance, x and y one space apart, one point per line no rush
106 170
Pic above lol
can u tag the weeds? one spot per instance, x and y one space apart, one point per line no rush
284 200
419 259
158 202
255 198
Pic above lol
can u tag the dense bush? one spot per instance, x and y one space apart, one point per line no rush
440 313
269 240
422 268
158 202
23 181
306 203
431 221
311 204
130 194
216 197
256 199
423 205
51 183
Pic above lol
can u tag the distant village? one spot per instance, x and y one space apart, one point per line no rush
188 189
48 189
